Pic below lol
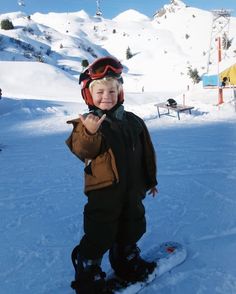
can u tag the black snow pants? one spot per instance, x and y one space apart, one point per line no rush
111 215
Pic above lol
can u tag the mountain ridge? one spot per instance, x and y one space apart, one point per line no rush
170 44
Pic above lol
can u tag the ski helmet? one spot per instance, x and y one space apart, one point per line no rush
100 68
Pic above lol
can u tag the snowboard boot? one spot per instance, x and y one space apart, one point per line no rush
89 277
128 264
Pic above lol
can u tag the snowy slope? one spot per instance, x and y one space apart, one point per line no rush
41 182
41 198
46 81
163 48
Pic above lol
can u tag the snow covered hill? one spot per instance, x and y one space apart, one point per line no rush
163 48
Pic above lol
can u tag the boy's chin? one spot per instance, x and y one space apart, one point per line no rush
107 107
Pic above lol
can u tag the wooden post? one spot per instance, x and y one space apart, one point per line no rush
220 96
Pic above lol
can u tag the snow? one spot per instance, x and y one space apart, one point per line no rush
38 83
132 15
41 182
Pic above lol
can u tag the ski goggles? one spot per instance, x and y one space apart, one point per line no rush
105 66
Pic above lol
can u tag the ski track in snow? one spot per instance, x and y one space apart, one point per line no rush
41 203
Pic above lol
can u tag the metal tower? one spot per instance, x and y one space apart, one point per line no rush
219 29
21 2
98 11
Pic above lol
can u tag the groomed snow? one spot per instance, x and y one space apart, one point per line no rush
41 202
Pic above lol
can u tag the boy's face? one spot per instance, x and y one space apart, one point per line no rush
105 96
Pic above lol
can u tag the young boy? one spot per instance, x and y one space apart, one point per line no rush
119 169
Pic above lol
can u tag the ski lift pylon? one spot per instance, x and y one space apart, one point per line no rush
98 11
21 3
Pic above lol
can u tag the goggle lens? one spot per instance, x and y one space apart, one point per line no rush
99 68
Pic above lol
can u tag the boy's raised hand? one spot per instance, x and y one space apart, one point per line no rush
92 122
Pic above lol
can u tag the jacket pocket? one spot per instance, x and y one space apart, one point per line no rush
101 172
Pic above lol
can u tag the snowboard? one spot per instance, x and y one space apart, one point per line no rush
167 255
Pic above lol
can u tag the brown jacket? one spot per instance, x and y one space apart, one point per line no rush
103 165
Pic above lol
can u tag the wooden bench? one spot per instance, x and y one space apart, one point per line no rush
179 108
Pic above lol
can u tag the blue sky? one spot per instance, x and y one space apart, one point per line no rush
110 8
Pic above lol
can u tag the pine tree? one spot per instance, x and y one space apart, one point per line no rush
193 74
6 24
128 53
84 63
226 43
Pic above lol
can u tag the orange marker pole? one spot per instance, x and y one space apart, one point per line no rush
220 89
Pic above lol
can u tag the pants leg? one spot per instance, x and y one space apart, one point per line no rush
111 216
132 223
101 222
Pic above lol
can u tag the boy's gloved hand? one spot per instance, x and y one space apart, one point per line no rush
153 191
92 122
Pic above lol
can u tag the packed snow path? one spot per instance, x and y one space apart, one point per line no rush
41 204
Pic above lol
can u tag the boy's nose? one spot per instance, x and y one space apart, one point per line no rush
106 95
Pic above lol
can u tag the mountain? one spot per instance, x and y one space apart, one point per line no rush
175 39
